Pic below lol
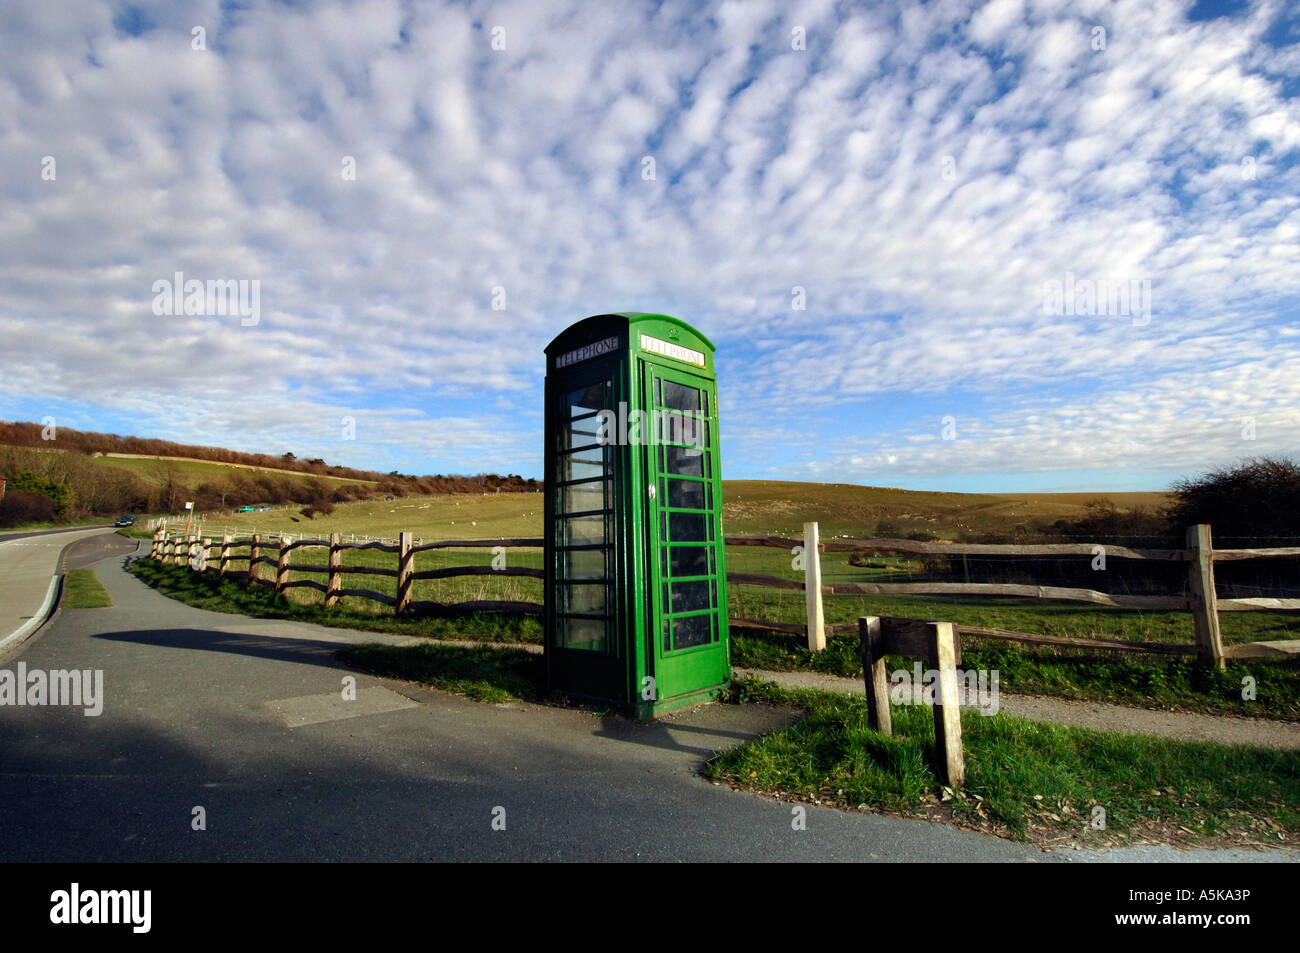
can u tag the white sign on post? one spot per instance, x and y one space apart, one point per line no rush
189 505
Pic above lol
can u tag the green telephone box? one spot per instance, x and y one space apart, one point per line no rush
636 578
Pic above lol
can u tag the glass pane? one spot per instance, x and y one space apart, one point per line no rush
690 597
585 598
582 564
680 397
583 496
681 428
582 634
688 495
582 433
687 560
583 530
686 461
586 400
594 455
691 631
576 468
686 527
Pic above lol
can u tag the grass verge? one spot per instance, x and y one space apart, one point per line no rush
482 673
82 590
1146 681
210 591
1026 780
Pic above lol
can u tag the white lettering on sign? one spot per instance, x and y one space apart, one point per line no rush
587 352
675 351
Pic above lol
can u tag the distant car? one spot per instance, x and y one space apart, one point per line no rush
388 499
125 520
245 509
263 509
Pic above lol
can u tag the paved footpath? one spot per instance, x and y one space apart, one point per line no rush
242 721
28 565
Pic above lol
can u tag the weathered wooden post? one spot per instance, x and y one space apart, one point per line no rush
874 675
812 585
254 554
404 562
282 565
224 565
335 578
936 643
1204 600
947 705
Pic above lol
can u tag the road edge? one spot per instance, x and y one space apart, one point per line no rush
52 597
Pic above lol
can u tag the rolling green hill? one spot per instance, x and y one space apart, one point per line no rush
751 507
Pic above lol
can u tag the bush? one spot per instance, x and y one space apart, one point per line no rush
1257 498
18 508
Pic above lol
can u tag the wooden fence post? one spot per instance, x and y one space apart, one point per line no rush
947 704
282 566
155 548
1204 601
254 553
812 584
224 565
873 674
404 561
335 578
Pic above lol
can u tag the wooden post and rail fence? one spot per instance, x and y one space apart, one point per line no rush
1201 601
1199 555
186 549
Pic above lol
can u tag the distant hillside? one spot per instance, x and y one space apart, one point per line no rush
30 435
845 509
82 474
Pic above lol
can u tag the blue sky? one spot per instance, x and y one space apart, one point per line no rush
924 173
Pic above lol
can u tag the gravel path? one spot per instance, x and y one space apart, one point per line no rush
1186 726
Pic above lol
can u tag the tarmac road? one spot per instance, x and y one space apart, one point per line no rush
29 561
197 710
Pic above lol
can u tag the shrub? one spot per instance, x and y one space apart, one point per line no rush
18 508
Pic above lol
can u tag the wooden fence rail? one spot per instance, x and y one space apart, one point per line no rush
1199 555
179 549
1202 601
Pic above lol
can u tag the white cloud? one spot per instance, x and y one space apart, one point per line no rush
826 168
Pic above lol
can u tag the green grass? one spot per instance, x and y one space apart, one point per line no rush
52 524
202 471
481 673
752 507
1145 680
1025 779
210 591
1141 679
82 590
782 507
